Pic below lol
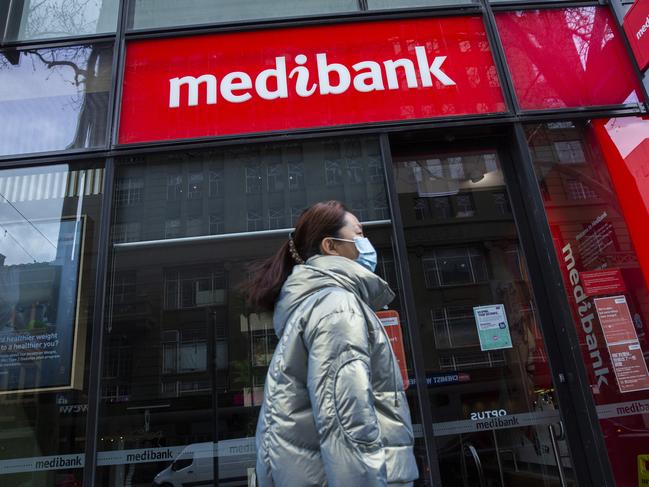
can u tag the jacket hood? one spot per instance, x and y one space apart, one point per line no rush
322 271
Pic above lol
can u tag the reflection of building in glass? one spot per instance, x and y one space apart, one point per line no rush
464 252
584 213
267 188
182 344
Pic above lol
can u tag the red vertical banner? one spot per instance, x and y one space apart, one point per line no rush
392 324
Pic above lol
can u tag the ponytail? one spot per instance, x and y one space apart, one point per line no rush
321 220
264 287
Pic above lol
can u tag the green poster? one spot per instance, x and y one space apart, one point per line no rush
493 329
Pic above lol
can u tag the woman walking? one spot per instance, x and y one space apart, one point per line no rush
334 411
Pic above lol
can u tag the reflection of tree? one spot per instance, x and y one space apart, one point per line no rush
88 69
581 34
85 67
60 18
51 58
241 372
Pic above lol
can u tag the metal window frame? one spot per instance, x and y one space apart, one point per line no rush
101 281
574 395
10 12
50 157
583 398
97 334
58 41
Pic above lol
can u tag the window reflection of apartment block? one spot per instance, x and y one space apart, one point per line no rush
268 186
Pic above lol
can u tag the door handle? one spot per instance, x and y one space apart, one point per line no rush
557 453
478 464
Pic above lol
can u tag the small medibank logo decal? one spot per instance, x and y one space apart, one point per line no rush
331 78
643 29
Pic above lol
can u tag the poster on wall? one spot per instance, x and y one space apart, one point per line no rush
603 281
493 328
622 341
392 325
41 346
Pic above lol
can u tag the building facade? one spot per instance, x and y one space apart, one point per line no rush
496 152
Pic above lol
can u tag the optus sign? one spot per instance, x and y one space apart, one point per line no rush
307 77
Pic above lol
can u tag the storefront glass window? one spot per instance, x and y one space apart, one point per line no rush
597 205
41 19
184 358
54 98
573 57
48 246
149 14
496 420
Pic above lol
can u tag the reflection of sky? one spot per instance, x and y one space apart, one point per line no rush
37 125
40 106
31 78
156 13
580 21
21 242
32 246
54 18
627 133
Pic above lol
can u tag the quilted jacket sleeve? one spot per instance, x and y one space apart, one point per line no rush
340 391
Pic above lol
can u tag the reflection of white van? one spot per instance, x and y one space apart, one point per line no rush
195 464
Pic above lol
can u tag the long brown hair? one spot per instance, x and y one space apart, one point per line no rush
321 220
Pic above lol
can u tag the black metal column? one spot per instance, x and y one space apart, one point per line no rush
94 375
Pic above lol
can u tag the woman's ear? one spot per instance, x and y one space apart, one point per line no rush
328 247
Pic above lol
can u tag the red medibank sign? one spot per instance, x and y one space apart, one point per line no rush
307 77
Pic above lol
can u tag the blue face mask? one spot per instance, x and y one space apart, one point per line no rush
366 252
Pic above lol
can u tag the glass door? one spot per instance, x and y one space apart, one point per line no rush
495 417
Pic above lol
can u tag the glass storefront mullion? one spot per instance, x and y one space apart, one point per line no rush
504 73
101 283
117 72
399 242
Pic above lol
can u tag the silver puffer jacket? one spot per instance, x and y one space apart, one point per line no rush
334 411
